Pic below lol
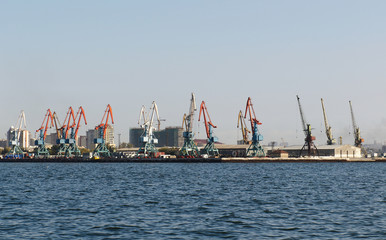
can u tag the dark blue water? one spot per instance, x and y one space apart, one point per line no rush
192 201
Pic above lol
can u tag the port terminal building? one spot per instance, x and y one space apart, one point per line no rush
337 151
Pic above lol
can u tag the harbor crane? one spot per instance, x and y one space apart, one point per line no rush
189 149
16 151
48 122
209 149
72 148
101 150
309 139
68 122
330 139
244 130
254 149
357 133
148 139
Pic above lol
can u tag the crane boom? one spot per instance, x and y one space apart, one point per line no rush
208 124
45 124
243 126
304 123
189 118
79 115
330 139
357 133
57 124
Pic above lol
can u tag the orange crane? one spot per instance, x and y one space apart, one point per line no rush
255 149
67 123
210 149
101 150
47 122
244 129
72 149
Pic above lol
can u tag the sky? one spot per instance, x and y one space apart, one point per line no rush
56 54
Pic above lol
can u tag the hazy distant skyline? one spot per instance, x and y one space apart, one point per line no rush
56 54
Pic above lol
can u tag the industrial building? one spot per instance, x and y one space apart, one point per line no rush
170 136
337 151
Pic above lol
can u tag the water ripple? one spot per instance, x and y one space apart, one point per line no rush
192 201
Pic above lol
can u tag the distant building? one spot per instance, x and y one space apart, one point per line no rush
82 141
24 138
170 136
51 138
91 134
3 143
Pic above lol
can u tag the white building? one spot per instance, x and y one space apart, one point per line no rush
337 151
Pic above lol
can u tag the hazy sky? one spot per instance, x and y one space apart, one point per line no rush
56 54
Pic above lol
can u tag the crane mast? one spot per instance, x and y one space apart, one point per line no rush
16 151
101 149
330 139
254 149
309 139
357 133
209 149
148 139
48 122
244 130
189 149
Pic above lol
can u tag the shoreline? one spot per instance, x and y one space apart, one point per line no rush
191 160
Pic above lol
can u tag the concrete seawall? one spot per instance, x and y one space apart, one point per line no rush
193 160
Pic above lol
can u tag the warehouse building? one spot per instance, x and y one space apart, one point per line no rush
337 151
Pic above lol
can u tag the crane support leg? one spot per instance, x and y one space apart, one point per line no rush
148 149
210 149
255 150
101 150
42 151
189 149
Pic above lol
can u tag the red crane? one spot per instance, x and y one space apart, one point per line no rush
108 112
210 148
78 116
101 149
45 125
252 115
47 122
208 124
255 149
65 127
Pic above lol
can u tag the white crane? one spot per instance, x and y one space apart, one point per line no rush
21 125
147 139
189 148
